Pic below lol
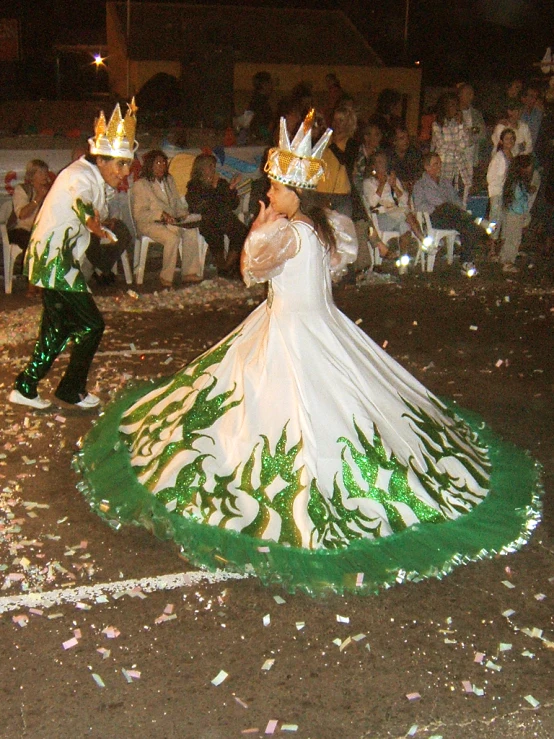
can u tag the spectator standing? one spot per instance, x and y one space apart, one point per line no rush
451 142
496 176
474 123
371 144
436 196
532 111
388 113
334 96
512 119
260 125
519 194
340 158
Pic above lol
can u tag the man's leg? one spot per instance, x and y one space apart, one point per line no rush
87 327
55 331
513 228
104 256
450 216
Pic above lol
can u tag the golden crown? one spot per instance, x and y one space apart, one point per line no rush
295 163
117 137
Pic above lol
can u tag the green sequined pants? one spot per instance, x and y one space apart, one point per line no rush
66 316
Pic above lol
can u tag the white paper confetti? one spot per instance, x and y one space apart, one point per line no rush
266 619
220 677
532 701
98 680
343 619
268 664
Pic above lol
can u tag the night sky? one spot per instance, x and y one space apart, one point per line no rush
460 39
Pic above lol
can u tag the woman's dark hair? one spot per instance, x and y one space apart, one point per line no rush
518 174
314 205
147 171
197 171
442 105
500 145
260 79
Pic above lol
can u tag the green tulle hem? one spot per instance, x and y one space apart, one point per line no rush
501 524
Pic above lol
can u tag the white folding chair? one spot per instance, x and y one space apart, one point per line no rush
10 251
127 271
194 260
384 236
426 253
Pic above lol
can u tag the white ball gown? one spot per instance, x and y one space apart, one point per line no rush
298 450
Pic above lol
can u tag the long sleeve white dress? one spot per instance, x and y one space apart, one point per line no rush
298 449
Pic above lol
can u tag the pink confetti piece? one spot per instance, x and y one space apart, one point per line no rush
479 657
135 674
70 643
385 344
413 696
169 608
468 687
60 419
21 620
77 633
36 611
240 702
263 550
104 652
253 730
359 579
271 726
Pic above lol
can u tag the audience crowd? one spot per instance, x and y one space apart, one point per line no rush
385 179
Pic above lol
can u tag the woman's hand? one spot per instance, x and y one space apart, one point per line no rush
234 182
266 215
168 218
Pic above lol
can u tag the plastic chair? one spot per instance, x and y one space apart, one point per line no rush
143 243
426 254
10 251
384 236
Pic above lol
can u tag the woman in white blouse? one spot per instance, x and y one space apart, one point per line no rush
27 199
386 197
496 176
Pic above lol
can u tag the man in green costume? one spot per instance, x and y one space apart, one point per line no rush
70 221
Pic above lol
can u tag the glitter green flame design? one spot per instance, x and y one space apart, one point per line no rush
273 477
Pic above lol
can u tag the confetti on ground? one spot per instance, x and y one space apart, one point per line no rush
300 625
526 653
508 613
289 727
240 702
532 701
253 730
111 632
343 619
98 680
266 619
359 579
413 696
345 643
540 596
508 584
479 657
104 652
492 666
358 637
280 601
478 691
220 677
413 730
468 687
504 647
271 726
268 664
70 643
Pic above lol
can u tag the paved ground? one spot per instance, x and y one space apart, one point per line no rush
467 657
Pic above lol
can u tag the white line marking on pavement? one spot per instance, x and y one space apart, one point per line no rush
51 598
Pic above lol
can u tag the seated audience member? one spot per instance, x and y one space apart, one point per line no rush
512 119
27 199
520 190
436 196
532 111
473 121
405 158
157 207
261 107
450 141
216 200
387 198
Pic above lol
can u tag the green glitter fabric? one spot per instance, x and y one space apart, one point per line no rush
501 524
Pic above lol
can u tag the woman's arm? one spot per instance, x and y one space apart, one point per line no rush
272 241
